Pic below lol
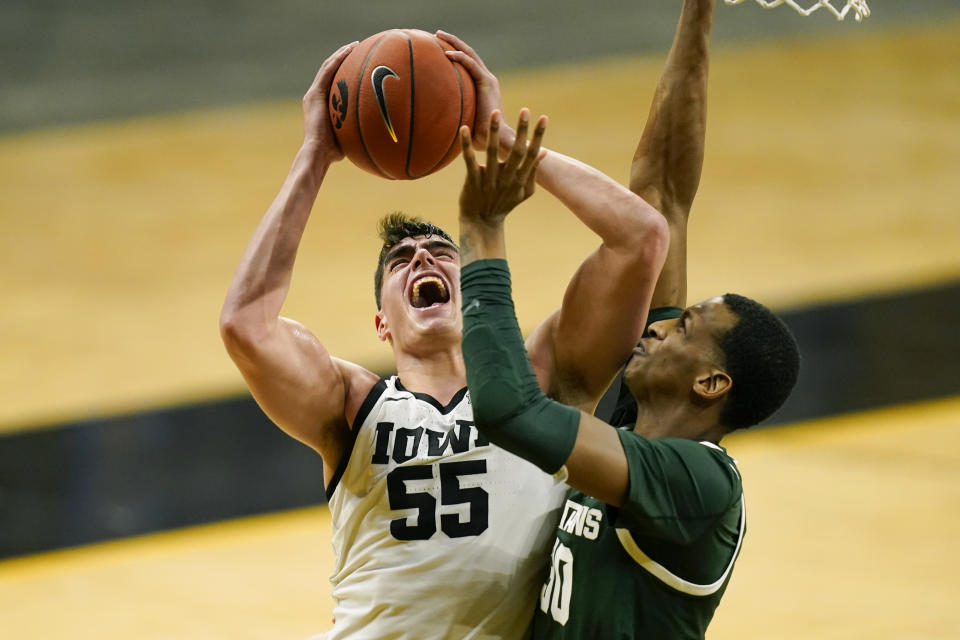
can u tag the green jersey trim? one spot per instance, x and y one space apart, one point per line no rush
672 580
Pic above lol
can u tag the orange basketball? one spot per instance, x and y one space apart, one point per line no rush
397 103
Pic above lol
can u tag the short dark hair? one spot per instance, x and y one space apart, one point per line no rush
392 229
762 357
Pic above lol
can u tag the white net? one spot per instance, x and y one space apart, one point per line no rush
859 7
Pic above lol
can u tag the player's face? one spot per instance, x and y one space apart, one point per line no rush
674 353
420 295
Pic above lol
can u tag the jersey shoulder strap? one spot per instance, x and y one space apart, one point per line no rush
373 397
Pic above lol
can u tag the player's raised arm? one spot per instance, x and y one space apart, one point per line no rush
579 348
669 158
666 170
577 351
288 370
509 406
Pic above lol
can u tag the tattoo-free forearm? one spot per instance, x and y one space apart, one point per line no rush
669 158
262 280
620 217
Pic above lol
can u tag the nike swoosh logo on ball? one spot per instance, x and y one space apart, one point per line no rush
380 74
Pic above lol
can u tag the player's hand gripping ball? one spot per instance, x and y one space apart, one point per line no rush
397 103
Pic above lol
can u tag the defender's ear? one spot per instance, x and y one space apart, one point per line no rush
380 322
713 385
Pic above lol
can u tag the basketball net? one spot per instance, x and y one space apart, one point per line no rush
860 8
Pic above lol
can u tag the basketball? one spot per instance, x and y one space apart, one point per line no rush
397 103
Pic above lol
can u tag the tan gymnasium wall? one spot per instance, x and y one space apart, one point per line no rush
830 174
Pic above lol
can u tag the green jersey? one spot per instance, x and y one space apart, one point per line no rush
656 567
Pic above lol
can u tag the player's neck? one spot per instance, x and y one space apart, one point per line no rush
439 374
678 421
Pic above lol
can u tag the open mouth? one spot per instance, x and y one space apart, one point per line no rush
428 291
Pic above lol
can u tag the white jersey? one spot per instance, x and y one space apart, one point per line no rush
437 533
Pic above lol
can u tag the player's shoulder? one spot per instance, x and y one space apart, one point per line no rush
697 448
710 459
695 456
703 450
351 371
358 383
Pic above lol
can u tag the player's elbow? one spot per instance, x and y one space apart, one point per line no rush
646 236
656 230
239 333
232 334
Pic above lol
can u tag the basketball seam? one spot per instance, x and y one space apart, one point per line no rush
363 144
413 104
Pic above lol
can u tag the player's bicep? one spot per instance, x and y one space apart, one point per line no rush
602 316
295 381
677 488
597 466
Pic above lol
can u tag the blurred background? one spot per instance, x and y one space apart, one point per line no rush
143 493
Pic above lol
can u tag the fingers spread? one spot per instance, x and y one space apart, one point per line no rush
473 171
530 176
519 143
534 154
493 150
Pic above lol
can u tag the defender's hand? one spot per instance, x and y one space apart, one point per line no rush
490 192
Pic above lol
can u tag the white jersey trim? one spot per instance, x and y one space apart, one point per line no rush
672 580
366 407
665 575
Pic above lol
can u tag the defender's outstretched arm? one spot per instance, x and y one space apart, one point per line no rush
669 158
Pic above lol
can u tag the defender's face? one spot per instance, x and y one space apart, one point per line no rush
673 353
420 295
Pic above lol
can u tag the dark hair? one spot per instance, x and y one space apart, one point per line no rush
395 227
762 357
